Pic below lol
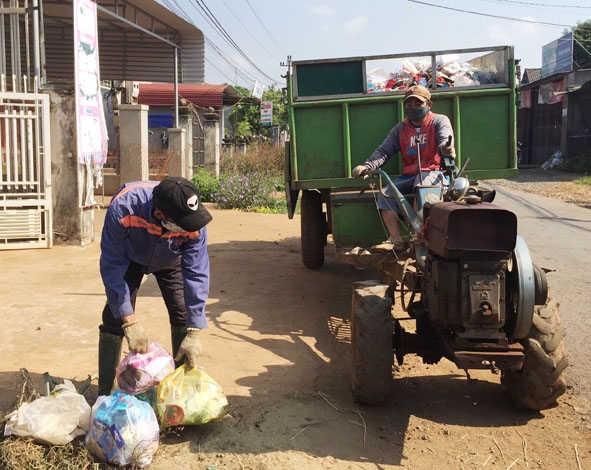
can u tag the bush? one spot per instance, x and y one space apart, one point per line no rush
579 164
251 181
207 184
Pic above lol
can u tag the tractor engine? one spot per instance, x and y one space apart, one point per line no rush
470 246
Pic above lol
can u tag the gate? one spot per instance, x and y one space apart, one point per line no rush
25 176
25 172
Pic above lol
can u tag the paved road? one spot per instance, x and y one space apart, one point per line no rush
558 237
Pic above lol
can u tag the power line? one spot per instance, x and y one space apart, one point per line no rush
247 30
492 16
217 25
265 28
538 4
224 57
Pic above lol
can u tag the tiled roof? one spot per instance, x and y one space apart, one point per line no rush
531 75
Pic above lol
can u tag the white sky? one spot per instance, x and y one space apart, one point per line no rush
267 31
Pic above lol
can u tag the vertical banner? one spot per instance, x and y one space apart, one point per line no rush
90 118
266 113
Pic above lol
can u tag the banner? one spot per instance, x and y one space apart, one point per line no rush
548 92
525 99
90 119
557 56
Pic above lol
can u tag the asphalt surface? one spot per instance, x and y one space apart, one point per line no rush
558 238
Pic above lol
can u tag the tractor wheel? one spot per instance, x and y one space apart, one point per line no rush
313 229
372 330
539 382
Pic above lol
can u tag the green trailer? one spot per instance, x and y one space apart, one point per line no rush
337 120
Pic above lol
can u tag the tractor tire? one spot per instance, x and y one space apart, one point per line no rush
372 351
313 229
539 383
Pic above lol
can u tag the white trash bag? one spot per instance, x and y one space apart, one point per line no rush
56 419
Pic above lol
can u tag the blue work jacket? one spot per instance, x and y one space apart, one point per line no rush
131 233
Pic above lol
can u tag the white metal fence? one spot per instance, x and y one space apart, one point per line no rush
25 176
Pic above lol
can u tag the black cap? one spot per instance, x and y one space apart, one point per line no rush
179 199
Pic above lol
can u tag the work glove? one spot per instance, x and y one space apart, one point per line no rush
190 348
136 337
447 149
358 171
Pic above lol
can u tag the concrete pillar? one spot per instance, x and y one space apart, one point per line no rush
73 221
133 142
211 137
176 151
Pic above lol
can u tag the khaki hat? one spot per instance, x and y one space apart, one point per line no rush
419 92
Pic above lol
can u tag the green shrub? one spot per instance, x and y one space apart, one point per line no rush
578 164
251 181
207 184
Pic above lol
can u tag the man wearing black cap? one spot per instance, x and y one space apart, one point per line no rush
422 135
153 228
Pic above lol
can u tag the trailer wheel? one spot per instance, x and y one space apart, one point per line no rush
539 383
372 330
313 229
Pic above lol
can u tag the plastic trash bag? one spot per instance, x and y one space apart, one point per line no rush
123 430
137 372
189 397
56 419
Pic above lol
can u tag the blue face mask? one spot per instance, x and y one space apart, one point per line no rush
416 114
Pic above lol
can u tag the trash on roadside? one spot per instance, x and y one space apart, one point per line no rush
189 397
138 372
555 160
55 419
123 431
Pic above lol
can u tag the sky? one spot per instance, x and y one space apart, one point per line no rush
248 40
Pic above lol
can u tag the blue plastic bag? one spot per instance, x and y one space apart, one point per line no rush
123 430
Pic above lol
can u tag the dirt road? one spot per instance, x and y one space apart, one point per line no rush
278 343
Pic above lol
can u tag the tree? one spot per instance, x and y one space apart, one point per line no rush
582 45
246 116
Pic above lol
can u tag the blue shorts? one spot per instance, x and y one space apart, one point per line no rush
407 184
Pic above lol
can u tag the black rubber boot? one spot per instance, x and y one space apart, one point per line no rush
177 335
108 358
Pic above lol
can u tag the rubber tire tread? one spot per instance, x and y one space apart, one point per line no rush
539 383
313 229
372 356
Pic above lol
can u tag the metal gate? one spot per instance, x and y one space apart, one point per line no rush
25 176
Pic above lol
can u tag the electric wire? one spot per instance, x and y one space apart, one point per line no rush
492 16
176 8
247 30
277 45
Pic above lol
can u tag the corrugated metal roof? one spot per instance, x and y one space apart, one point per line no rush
126 52
202 95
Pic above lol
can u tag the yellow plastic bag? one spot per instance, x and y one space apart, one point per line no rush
187 397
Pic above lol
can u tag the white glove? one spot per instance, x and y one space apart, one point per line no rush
190 348
358 171
447 149
136 337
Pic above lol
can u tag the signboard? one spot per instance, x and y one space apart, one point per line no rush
266 113
557 56
257 90
90 119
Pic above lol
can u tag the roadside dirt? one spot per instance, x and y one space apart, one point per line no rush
278 343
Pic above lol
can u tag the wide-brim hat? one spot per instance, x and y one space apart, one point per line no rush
179 199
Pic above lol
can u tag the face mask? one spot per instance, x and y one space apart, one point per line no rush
416 114
171 226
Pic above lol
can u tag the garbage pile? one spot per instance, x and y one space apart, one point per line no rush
451 72
124 427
